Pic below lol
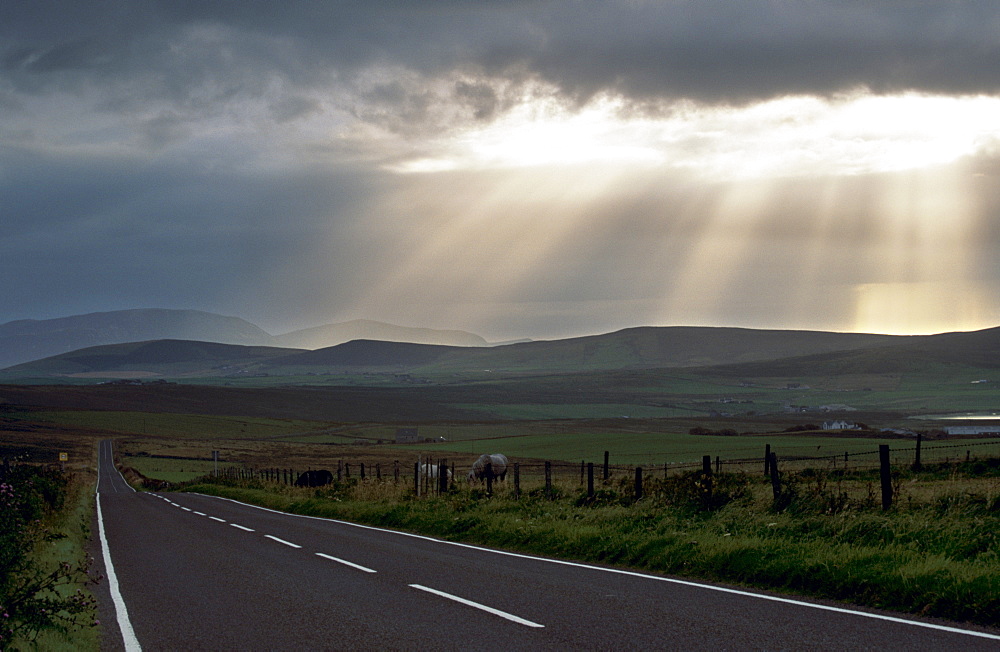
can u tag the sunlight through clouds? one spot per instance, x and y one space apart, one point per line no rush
850 134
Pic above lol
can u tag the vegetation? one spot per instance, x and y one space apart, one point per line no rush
934 553
44 575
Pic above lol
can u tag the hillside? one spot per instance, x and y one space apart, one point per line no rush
148 359
977 349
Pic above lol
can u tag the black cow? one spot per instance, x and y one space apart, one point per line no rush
314 478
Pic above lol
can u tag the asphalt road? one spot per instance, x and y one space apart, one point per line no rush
194 572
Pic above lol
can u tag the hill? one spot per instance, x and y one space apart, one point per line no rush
727 352
31 339
170 358
363 329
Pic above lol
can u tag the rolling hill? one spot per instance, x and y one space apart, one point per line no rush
635 348
33 339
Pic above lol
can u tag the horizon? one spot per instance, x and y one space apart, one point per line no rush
527 337
548 169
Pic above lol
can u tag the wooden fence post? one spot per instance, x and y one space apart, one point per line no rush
416 477
443 477
767 460
885 474
362 470
395 471
583 471
638 483
916 457
706 471
606 474
548 478
517 481
590 479
775 478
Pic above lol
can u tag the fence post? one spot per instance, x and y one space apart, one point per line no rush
362 470
706 470
517 481
767 460
606 466
443 477
775 478
590 479
916 457
885 475
548 478
378 471
395 470
638 483
416 477
583 471
718 464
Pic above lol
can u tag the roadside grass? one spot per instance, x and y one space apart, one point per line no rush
935 553
53 606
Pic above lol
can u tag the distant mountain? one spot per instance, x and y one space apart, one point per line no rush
363 329
31 339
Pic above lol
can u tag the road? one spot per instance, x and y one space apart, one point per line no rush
196 572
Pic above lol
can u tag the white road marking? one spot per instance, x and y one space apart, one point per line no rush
495 612
121 612
186 509
241 527
287 543
658 578
216 518
345 562
199 513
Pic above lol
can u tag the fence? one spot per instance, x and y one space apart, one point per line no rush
436 476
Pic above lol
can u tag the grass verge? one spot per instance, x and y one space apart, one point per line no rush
932 554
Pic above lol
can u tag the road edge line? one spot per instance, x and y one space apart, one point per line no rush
121 612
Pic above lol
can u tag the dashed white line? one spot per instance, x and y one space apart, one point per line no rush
241 527
199 513
216 518
186 509
287 543
470 603
345 562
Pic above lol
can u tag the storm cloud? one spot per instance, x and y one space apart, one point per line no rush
303 162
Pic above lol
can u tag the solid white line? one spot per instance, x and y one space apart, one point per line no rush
216 518
345 562
287 543
124 624
495 612
619 571
241 527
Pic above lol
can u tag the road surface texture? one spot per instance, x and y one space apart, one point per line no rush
192 572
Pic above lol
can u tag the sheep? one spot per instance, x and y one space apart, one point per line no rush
431 471
498 465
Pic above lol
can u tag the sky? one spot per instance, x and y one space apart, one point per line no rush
513 168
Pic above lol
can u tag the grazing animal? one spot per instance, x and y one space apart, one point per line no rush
431 471
314 478
498 465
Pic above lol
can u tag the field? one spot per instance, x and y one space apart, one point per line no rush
934 552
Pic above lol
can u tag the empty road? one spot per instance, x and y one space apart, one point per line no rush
195 572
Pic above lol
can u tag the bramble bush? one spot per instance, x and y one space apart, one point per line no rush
34 598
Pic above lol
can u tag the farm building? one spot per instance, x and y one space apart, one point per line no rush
839 425
406 435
